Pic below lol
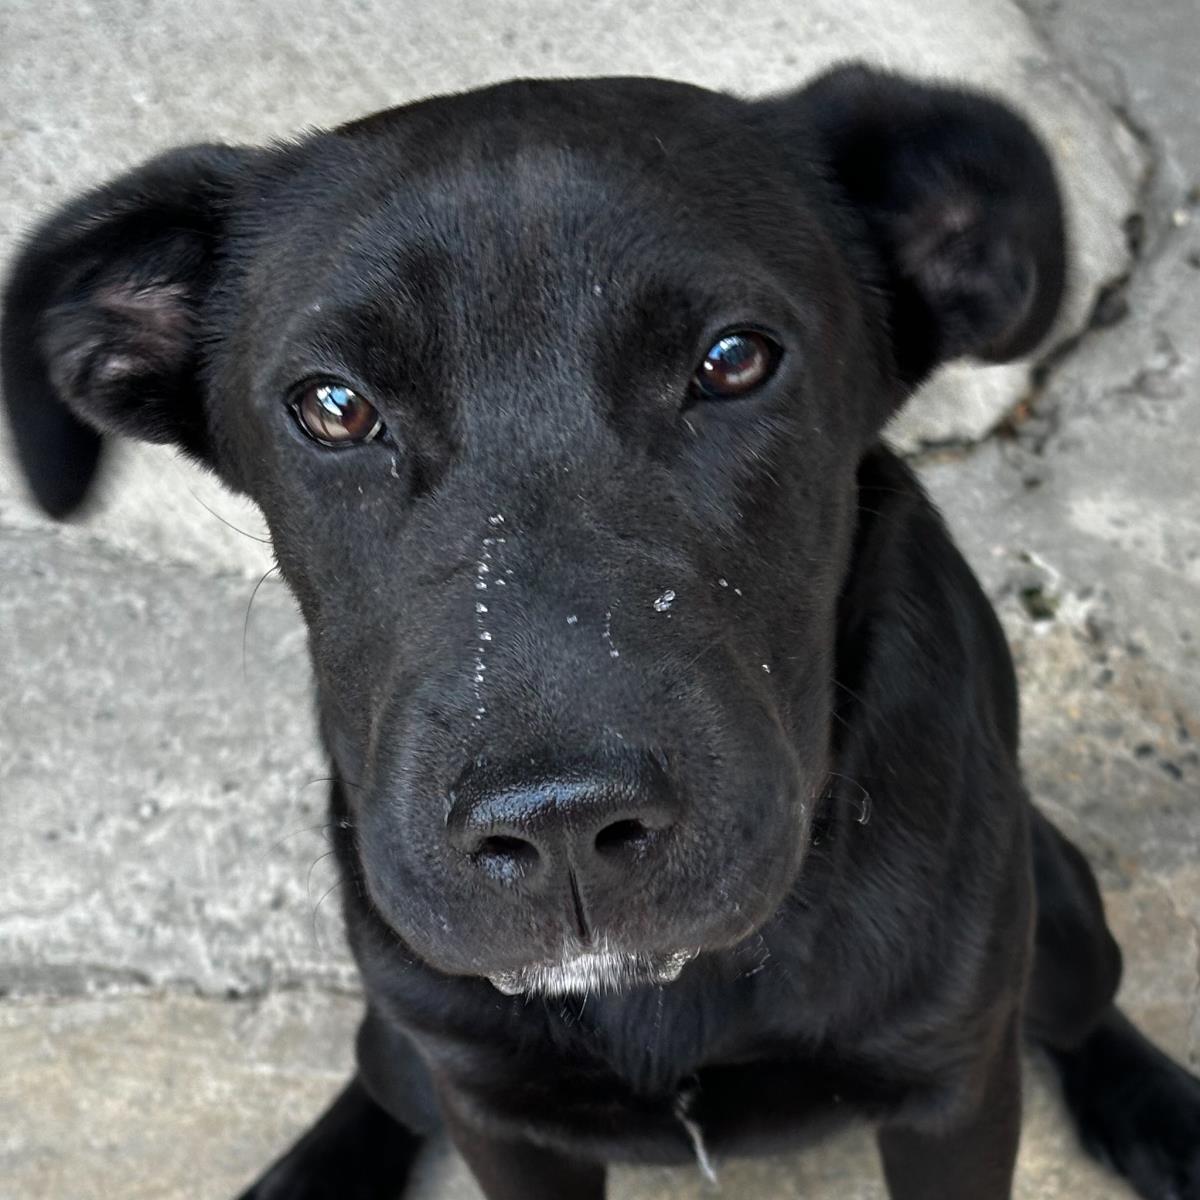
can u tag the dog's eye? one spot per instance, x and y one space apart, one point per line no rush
736 364
333 415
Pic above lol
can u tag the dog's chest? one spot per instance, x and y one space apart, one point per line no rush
653 1081
719 1111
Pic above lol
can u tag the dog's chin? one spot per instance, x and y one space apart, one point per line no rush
592 971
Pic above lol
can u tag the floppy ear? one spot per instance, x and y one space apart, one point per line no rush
960 205
100 319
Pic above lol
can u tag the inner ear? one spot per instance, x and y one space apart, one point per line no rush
963 286
102 315
127 351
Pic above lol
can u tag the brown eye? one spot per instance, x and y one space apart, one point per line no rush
736 364
333 415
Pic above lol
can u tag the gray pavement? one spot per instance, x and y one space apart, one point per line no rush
171 1010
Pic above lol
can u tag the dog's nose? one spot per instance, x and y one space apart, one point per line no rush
523 825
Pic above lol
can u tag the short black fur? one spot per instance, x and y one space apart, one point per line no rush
676 747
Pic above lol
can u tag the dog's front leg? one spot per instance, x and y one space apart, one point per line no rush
519 1170
973 1157
354 1152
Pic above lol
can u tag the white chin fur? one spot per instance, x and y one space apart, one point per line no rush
600 971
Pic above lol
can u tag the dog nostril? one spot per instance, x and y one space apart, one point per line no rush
506 859
622 836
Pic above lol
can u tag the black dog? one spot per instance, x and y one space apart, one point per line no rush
648 677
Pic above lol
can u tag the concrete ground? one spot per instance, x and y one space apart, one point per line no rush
175 999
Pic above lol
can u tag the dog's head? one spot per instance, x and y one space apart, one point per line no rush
553 396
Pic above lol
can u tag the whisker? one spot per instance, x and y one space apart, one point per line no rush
864 808
337 883
336 779
894 518
866 707
246 621
761 965
319 779
319 828
316 862
837 716
212 513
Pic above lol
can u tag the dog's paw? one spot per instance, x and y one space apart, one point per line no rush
1152 1135
289 1185
1137 1111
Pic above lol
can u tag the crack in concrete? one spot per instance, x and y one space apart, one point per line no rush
1110 308
1111 305
95 981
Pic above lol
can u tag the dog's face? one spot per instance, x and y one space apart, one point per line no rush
553 396
571 570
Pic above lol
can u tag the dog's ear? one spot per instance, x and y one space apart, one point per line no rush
100 319
960 205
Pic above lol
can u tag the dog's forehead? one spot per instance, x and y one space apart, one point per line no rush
614 114
566 156
532 186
